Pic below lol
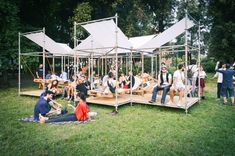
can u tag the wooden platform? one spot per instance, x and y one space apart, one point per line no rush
36 93
127 98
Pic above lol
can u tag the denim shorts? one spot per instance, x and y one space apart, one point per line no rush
226 91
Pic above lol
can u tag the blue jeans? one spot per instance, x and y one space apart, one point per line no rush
165 91
61 118
219 89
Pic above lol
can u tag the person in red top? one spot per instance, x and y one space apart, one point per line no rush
80 113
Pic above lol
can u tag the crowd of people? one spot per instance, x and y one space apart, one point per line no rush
166 82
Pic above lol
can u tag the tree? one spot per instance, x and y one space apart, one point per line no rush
222 35
8 38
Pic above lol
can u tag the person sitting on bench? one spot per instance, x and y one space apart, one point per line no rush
163 83
178 85
130 79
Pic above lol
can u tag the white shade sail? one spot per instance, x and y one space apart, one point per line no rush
50 45
169 34
104 32
140 40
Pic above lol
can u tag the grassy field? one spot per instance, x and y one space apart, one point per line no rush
208 129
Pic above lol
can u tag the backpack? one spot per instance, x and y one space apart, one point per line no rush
190 72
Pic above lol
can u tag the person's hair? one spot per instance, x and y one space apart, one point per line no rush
193 61
180 66
110 74
227 65
49 92
52 83
82 96
220 64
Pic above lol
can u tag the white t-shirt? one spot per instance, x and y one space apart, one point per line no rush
179 76
202 74
220 76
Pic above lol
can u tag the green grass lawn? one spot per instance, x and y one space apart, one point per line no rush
208 129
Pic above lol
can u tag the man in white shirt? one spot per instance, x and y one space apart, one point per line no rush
178 85
220 66
163 83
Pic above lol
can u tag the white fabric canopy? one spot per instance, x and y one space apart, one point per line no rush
140 40
104 33
168 34
50 45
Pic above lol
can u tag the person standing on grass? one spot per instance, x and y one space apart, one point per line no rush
163 83
39 74
227 84
219 66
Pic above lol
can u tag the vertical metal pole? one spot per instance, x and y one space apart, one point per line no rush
98 62
132 74
186 61
74 59
89 69
152 65
142 86
61 67
44 55
127 65
116 46
53 63
105 65
19 64
199 59
156 55
92 64
102 66
160 60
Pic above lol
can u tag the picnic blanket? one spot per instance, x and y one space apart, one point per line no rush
31 119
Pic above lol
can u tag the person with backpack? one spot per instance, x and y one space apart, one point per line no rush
164 83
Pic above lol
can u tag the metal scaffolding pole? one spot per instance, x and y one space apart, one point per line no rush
19 74
116 46
186 62
44 55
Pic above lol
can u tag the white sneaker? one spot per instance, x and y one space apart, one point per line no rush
179 104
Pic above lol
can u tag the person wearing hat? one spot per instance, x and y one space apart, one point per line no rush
164 83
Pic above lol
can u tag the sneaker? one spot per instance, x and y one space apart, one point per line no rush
151 101
114 112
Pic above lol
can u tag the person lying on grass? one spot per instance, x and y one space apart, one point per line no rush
44 105
80 113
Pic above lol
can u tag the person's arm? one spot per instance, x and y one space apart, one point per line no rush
216 75
159 80
37 74
169 80
55 104
217 65
71 106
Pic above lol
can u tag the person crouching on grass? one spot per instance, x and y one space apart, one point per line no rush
81 113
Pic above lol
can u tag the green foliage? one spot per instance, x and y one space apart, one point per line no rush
9 35
208 65
222 37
